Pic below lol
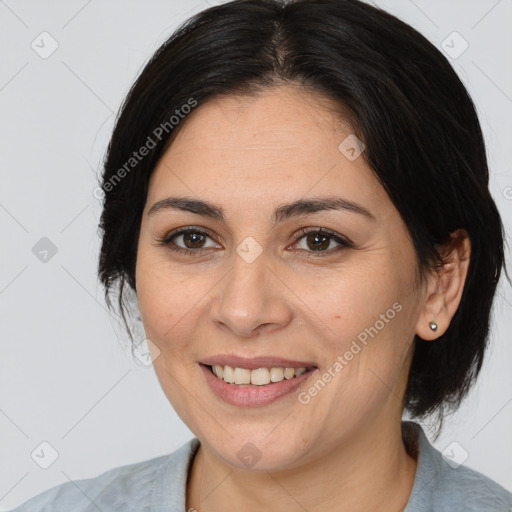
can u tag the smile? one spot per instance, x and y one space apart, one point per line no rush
254 387
258 376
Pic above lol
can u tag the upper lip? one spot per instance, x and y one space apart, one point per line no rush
252 363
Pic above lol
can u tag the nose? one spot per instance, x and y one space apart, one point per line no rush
251 299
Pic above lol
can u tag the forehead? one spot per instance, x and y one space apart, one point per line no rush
282 144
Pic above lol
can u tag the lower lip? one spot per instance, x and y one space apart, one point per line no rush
252 396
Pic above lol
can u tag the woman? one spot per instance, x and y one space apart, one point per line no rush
297 194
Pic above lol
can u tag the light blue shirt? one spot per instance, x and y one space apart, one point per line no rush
159 485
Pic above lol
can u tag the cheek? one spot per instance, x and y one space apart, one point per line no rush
344 303
364 317
168 303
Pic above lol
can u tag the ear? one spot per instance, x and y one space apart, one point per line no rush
444 289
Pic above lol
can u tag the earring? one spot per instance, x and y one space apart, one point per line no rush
433 326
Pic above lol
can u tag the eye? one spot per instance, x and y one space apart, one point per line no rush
316 242
320 242
188 240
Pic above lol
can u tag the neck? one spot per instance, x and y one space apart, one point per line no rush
369 471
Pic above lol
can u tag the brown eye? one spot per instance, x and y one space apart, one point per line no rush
320 242
193 240
189 240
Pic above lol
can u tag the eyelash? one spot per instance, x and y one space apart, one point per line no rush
343 242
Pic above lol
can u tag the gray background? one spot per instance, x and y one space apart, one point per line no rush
66 374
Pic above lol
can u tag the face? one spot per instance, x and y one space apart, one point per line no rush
254 284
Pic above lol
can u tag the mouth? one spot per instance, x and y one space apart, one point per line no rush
250 384
263 376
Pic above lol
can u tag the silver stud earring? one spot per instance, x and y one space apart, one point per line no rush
433 326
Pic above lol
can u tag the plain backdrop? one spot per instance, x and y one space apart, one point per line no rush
67 377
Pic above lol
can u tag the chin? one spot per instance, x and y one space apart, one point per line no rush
253 448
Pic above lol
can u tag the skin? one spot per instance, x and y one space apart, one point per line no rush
343 450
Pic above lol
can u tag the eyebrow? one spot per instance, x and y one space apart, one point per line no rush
282 212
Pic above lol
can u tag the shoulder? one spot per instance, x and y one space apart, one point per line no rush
111 490
463 488
441 485
134 487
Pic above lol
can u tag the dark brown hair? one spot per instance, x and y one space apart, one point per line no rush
404 101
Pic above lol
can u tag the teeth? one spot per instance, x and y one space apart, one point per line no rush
276 374
299 371
257 377
289 373
228 374
218 370
242 376
260 377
